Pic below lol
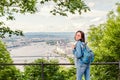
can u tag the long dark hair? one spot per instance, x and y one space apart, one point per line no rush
82 36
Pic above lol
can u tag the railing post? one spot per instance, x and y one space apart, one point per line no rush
119 71
42 73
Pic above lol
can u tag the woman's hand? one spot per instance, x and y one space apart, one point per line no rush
73 46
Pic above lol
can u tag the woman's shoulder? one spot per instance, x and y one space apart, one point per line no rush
80 42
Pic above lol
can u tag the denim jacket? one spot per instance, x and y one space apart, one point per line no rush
77 51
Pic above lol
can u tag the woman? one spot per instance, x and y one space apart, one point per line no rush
82 68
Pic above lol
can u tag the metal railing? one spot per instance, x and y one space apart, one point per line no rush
43 64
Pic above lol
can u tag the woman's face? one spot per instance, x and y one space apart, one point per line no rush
78 36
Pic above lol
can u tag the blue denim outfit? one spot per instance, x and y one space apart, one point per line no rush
82 68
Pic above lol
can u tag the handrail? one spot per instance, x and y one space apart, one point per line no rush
94 63
42 64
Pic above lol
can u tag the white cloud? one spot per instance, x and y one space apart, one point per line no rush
91 4
88 15
44 10
95 13
96 19
40 23
25 27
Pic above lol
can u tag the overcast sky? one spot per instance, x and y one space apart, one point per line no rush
46 22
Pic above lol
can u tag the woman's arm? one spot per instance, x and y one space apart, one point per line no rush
77 50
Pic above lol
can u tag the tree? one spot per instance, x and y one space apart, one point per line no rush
9 7
51 72
7 72
104 40
33 72
5 30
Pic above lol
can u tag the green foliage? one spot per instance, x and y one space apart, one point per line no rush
71 60
105 41
4 30
51 72
7 72
34 72
71 6
95 36
4 54
64 6
8 7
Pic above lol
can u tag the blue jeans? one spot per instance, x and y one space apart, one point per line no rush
83 69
